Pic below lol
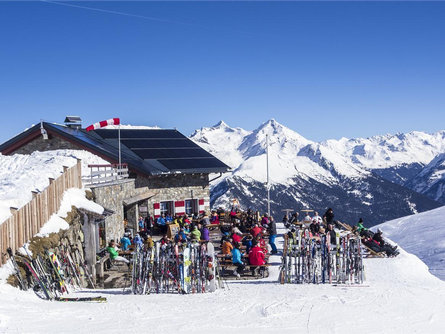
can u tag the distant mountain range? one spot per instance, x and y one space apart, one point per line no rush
377 178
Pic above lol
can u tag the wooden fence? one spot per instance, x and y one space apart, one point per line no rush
27 221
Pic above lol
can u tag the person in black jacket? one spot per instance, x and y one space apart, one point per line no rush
378 237
272 235
328 217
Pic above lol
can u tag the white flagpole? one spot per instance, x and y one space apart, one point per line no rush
268 180
119 139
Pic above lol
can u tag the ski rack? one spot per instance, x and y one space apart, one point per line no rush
169 268
315 260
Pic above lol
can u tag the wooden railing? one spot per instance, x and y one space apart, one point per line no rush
27 221
104 174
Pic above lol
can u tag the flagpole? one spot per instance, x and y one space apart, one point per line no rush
268 180
119 139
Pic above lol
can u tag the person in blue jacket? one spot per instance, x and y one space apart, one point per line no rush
237 260
125 242
138 241
162 224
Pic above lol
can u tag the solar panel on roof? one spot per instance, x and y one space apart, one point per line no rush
158 143
172 153
183 164
137 133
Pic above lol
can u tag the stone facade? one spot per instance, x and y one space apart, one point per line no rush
111 196
176 187
52 143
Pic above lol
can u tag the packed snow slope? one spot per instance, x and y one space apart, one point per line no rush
22 173
423 235
304 174
398 296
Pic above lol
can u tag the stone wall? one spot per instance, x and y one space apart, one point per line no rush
52 143
176 187
111 197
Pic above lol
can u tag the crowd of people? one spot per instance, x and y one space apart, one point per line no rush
245 235
326 224
246 239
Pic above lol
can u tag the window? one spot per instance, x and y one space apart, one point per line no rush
166 208
191 206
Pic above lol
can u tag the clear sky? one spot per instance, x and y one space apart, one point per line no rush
324 69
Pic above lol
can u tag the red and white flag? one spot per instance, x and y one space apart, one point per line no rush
102 124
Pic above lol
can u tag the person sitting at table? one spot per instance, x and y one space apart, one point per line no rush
215 218
256 230
256 256
227 246
113 250
237 260
195 235
180 237
125 241
205 233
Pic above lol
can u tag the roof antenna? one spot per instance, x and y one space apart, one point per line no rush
43 131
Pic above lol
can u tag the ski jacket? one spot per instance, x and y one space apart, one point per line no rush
236 238
272 228
255 231
161 221
180 237
236 256
329 216
314 227
378 237
265 221
205 234
256 256
215 219
137 240
227 247
360 227
125 242
113 252
196 234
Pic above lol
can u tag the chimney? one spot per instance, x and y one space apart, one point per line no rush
73 122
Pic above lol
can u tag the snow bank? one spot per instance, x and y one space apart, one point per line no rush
71 197
20 174
423 235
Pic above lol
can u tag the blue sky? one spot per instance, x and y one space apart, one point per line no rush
324 69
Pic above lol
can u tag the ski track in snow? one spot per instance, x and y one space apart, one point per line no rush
400 296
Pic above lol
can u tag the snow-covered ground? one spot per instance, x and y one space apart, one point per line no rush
398 296
22 173
421 234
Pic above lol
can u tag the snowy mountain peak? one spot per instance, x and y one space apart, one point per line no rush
221 124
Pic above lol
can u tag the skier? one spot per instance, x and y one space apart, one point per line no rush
205 234
256 255
256 230
113 250
226 246
237 260
125 241
180 237
215 218
273 235
162 224
362 230
195 234
328 217
333 234
315 225
378 237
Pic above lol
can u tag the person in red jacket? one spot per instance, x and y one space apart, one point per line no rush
256 256
256 230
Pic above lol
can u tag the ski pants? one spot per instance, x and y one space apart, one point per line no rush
121 259
272 242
